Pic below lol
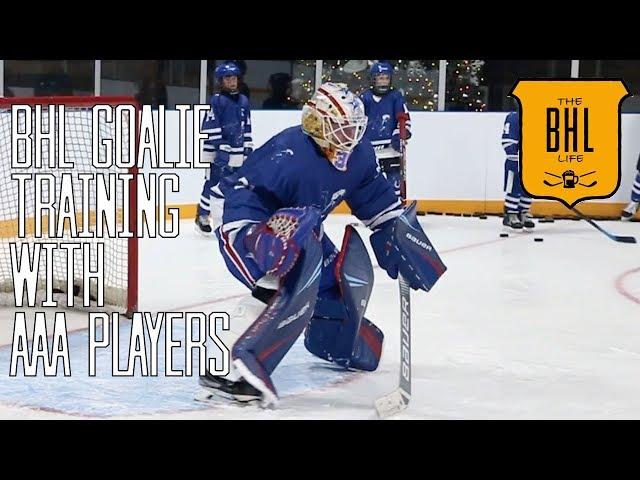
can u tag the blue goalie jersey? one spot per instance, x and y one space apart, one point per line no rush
289 170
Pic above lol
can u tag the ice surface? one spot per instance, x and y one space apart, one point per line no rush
514 329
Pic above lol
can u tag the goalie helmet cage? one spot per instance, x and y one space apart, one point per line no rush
120 254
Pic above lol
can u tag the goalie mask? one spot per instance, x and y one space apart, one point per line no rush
335 119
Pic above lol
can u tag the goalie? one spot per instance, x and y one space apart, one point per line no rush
272 241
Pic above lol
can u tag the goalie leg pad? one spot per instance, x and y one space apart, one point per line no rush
246 312
321 338
262 346
338 331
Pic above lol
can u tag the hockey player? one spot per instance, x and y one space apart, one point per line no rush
228 124
272 241
516 203
631 209
384 106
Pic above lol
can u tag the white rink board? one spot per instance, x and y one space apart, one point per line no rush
451 156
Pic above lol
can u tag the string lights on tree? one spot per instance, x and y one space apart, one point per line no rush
304 76
464 90
416 79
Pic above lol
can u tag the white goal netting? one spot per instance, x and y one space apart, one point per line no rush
119 256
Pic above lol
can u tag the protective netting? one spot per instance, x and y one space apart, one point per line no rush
78 149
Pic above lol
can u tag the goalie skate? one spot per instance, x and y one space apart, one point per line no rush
216 388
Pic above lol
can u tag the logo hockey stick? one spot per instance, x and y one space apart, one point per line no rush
398 400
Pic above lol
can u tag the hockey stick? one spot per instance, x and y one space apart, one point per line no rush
546 182
615 238
398 400
588 184
402 125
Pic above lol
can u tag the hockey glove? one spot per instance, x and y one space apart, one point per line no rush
276 243
395 140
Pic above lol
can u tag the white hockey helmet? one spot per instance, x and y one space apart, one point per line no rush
334 117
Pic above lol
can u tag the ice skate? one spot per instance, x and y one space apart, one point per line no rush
202 226
527 220
215 387
511 222
629 211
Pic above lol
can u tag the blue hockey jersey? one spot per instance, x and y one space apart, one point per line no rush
289 170
228 124
511 136
382 113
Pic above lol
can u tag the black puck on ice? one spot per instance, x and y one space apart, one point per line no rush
482 217
504 235
538 239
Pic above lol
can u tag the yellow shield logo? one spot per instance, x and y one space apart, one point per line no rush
570 137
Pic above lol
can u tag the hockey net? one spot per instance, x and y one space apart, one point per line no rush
120 254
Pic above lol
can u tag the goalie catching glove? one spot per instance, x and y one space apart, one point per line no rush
401 246
275 244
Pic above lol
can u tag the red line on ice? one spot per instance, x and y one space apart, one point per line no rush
619 283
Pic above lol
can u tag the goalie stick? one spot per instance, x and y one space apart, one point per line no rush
398 400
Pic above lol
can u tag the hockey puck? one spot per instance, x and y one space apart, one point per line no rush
482 217
504 235
537 239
